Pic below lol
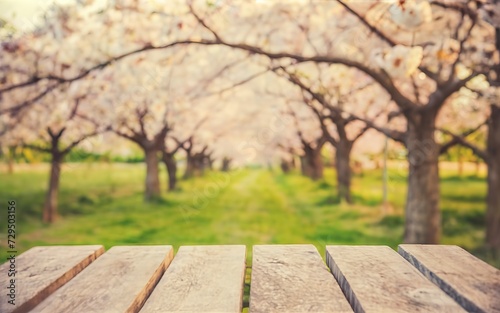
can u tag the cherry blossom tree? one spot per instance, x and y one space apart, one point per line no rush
59 122
491 13
169 150
419 68
84 39
483 92
311 138
419 52
56 126
329 92
147 102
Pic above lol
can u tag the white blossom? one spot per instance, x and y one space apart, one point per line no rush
399 61
410 14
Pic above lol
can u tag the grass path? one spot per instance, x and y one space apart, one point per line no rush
242 207
103 204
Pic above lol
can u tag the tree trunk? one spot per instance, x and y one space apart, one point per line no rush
50 208
199 169
226 164
171 166
478 166
10 166
423 218
152 177
460 161
210 163
305 167
190 166
493 196
311 163
316 164
385 176
285 167
342 165
11 156
293 163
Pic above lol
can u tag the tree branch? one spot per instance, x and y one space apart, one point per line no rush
439 96
461 46
460 139
83 74
384 37
37 148
380 77
361 133
297 126
180 144
326 134
391 133
135 138
78 141
365 129
59 80
17 108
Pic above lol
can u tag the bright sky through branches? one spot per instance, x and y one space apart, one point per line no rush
25 14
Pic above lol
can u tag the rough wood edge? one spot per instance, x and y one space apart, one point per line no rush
349 294
464 302
58 283
144 294
242 287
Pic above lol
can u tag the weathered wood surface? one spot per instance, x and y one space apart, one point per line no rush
474 284
201 279
41 271
377 279
118 281
293 278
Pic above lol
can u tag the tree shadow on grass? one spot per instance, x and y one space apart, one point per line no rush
330 235
468 178
390 221
32 205
350 215
125 222
324 185
328 200
81 204
366 201
147 235
162 201
456 223
489 255
474 198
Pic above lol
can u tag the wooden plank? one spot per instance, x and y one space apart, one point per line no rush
377 279
41 271
119 281
293 278
474 284
201 279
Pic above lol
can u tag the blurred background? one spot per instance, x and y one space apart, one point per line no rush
251 122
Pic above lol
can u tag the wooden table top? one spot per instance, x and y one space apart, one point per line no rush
284 278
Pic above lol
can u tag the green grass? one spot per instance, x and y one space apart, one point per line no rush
103 204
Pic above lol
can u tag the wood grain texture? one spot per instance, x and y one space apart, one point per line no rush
119 281
474 284
41 271
293 278
201 279
377 279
